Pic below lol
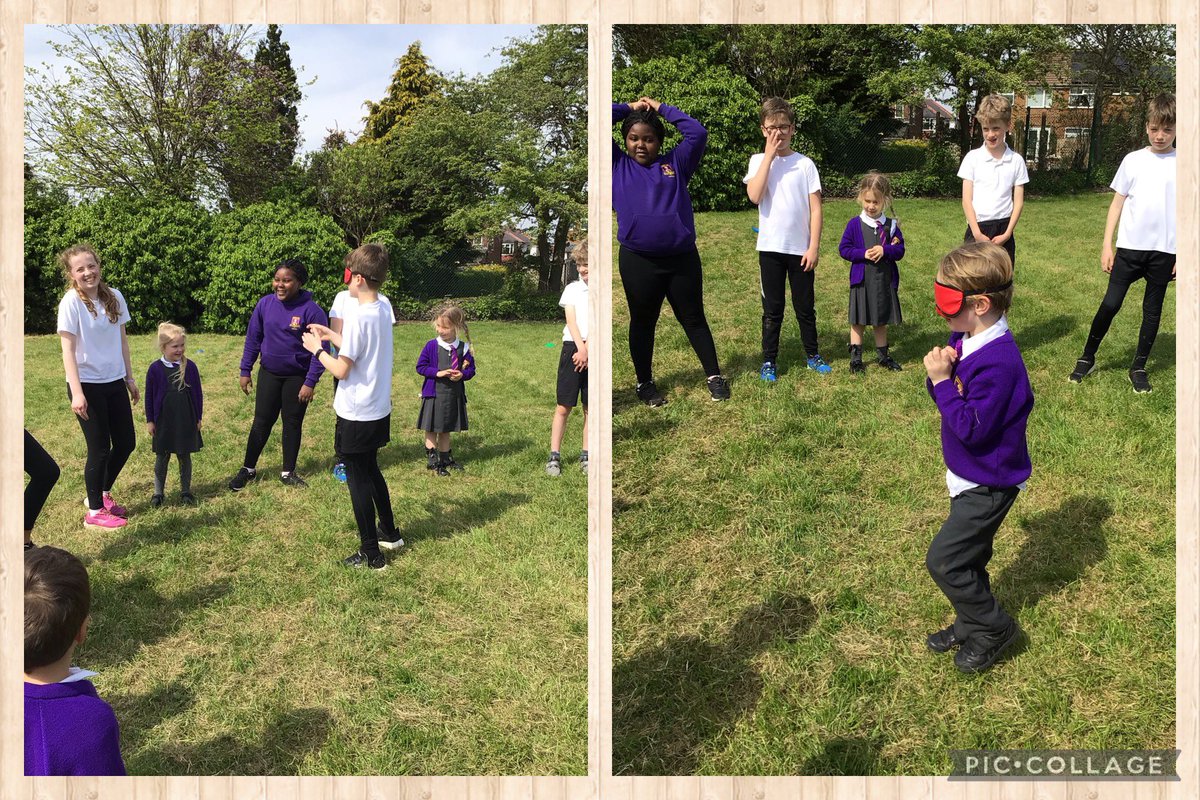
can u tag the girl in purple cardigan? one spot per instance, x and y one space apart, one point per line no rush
174 410
873 243
446 362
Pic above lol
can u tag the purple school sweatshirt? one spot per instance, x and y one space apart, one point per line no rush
654 209
853 249
985 408
274 332
427 367
69 730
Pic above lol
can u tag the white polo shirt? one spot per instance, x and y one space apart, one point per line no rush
576 296
97 341
1148 216
993 180
365 394
784 207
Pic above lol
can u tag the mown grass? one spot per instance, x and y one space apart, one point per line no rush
770 598
229 639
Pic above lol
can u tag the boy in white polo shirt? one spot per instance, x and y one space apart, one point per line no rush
573 364
1145 204
994 179
786 188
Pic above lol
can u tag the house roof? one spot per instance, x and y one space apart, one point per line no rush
516 236
938 108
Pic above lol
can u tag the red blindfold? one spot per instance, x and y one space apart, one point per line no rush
949 300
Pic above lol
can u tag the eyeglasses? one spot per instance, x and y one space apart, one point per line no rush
949 300
778 128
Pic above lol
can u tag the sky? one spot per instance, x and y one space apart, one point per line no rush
351 63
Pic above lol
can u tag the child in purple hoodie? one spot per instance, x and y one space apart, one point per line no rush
288 372
982 391
69 730
658 259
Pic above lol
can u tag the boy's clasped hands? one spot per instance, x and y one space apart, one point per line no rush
939 363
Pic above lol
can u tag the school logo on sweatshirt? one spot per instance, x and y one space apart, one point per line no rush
295 323
668 171
958 384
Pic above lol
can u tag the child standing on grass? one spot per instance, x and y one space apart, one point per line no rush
1144 200
994 179
343 306
363 401
786 188
69 730
100 385
446 362
873 243
982 392
174 411
288 372
656 230
572 364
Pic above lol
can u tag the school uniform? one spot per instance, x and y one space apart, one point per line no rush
175 410
656 231
985 407
874 286
572 385
992 181
70 730
783 237
443 401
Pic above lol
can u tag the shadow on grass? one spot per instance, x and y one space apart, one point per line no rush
283 743
450 516
672 698
409 449
1059 547
1118 356
172 523
859 756
1031 337
131 614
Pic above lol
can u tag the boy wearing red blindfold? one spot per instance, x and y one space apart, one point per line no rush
982 391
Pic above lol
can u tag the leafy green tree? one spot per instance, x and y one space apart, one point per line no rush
44 205
355 186
413 82
274 56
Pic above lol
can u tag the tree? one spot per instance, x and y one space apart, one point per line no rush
152 110
412 83
355 186
274 57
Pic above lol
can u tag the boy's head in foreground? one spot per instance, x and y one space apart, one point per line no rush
58 601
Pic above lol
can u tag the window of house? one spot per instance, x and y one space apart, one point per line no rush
1039 98
1077 133
508 248
1035 142
1081 98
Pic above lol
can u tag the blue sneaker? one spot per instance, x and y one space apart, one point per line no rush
818 365
767 373
339 472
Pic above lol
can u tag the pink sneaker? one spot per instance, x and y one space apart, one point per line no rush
111 507
103 519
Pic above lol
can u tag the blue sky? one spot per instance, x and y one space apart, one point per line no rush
352 63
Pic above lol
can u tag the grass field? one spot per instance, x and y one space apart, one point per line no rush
770 593
229 639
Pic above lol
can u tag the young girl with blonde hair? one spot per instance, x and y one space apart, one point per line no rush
174 410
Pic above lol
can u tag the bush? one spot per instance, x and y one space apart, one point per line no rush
248 243
150 249
1057 182
902 155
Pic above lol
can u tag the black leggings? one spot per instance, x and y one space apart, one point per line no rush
277 393
649 280
1152 303
775 271
108 431
368 496
43 474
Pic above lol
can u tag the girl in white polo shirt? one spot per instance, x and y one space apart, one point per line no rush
100 382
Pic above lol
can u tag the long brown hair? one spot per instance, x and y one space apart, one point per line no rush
112 308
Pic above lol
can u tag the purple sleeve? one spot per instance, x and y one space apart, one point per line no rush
687 154
980 419
619 112
468 370
315 368
193 379
895 252
254 338
427 361
847 248
150 400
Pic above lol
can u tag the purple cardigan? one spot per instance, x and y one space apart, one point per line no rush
854 250
654 209
156 389
274 331
427 366
985 409
69 730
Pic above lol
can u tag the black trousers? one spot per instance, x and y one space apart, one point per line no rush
368 497
649 280
958 557
275 394
995 227
108 431
43 474
1129 267
775 271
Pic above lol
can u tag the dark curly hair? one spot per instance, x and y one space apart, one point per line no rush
649 117
296 266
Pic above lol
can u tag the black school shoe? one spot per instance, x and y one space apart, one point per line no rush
718 388
292 479
1140 381
156 500
979 652
359 560
240 480
431 458
389 541
452 464
30 546
187 498
889 363
1083 368
648 393
944 640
